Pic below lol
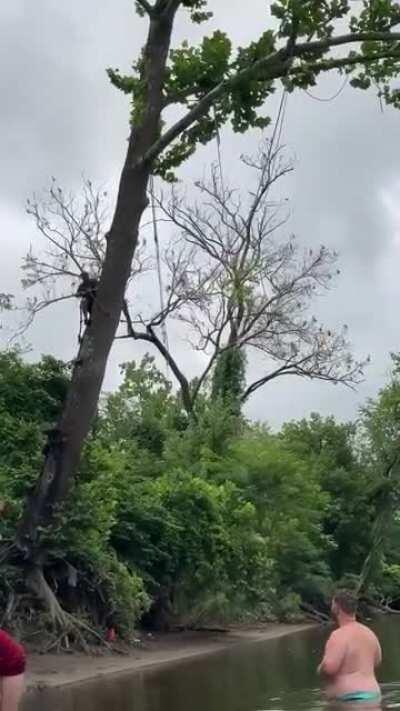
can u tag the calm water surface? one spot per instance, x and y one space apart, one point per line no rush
278 675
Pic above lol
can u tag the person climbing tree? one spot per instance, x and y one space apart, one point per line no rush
87 293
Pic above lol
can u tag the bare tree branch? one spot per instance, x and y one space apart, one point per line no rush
74 241
151 337
235 284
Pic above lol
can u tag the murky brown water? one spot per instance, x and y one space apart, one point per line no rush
278 675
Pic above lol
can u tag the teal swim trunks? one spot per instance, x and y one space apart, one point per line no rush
360 696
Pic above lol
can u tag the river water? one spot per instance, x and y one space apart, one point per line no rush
277 675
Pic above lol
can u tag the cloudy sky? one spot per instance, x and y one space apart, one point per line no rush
60 116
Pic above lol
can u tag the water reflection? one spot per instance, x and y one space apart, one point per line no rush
275 676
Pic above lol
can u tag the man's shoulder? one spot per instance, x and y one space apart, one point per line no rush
357 632
364 628
338 632
367 631
343 633
337 635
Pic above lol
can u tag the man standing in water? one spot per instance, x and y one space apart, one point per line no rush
351 656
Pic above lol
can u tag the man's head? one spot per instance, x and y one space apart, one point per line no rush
344 604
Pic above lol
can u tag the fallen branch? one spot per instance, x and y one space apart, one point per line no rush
316 615
382 608
200 628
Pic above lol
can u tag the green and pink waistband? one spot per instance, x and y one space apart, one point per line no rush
354 696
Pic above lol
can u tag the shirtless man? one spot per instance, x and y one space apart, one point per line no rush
351 655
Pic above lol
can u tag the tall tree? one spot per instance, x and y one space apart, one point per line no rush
235 85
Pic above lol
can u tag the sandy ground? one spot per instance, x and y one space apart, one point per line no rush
57 670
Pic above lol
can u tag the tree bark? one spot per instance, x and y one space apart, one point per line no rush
39 585
65 443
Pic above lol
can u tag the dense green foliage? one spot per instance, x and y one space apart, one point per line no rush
214 519
294 47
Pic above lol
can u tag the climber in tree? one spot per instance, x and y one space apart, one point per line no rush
87 293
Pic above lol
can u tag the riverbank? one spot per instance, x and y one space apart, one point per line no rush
57 670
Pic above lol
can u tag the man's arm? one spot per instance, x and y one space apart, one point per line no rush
378 654
333 656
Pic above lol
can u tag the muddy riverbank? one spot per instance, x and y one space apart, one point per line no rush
48 670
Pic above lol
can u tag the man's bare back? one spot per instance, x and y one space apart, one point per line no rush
351 656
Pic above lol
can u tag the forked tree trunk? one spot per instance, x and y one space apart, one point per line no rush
66 441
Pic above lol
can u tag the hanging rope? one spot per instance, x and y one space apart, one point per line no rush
334 96
275 140
280 119
164 331
219 155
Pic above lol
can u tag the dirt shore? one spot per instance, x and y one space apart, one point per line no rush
58 670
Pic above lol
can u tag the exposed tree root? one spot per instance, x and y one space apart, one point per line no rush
9 611
68 628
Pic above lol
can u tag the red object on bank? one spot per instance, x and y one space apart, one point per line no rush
111 636
12 656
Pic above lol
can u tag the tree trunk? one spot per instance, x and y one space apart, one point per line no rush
38 584
65 443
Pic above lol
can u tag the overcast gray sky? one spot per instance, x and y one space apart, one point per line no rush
60 116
